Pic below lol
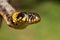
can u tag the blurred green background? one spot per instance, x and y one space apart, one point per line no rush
47 29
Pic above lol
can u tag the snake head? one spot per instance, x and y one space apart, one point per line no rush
25 18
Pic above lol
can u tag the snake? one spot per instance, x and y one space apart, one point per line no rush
16 19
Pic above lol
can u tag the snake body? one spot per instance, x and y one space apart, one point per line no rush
17 20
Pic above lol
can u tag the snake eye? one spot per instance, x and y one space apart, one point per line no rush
20 15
